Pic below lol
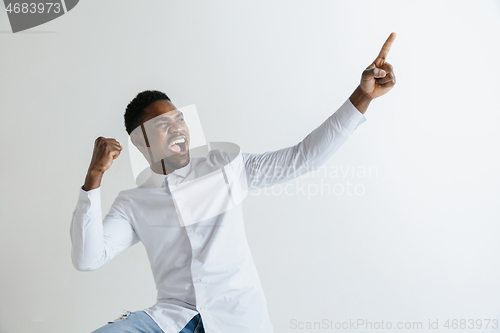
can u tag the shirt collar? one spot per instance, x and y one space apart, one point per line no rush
158 178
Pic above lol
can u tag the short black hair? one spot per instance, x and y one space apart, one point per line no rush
135 109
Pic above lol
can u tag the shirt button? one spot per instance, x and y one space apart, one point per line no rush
191 230
87 202
172 187
198 280
202 308
196 256
181 203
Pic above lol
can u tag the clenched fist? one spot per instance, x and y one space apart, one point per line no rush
105 151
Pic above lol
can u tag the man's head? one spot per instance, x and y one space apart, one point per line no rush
158 130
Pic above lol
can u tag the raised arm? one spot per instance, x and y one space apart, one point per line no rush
279 166
96 241
276 167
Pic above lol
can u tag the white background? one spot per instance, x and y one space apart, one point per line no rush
421 242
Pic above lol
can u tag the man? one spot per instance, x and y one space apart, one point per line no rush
188 213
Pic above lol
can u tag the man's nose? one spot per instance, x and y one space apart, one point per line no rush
175 128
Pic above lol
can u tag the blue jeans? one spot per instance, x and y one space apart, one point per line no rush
140 321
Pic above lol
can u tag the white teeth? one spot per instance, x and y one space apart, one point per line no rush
181 140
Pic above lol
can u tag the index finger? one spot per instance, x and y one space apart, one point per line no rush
385 50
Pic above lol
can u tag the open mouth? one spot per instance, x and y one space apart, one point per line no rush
178 146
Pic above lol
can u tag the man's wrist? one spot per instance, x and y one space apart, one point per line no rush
92 180
360 100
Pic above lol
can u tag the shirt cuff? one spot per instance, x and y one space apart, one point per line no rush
90 201
350 117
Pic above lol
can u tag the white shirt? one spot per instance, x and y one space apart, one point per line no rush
201 264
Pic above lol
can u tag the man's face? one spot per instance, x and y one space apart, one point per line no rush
167 136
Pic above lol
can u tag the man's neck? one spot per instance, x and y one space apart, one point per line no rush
160 168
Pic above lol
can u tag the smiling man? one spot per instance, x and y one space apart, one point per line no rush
188 213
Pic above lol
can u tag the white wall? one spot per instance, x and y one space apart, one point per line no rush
421 242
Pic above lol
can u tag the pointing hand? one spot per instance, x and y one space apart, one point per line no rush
378 78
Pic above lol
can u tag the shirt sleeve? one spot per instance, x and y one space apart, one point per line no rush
270 168
96 241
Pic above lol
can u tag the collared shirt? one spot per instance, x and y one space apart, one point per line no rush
191 224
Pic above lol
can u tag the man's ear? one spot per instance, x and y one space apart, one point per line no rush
137 138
